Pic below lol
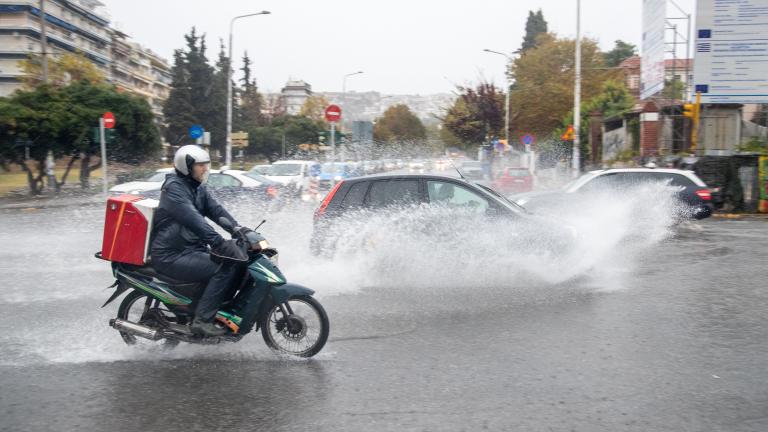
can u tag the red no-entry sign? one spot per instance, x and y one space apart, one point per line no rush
333 113
109 120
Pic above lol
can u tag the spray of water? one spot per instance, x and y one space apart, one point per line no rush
418 252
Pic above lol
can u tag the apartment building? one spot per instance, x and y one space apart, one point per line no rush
71 26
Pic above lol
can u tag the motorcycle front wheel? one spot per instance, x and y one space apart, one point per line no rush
299 328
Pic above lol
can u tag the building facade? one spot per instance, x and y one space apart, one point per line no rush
140 71
293 96
71 26
79 26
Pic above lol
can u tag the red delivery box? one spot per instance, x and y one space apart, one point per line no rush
127 227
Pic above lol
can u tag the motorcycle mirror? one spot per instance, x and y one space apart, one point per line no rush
226 223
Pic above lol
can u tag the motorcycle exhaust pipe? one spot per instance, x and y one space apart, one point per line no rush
134 329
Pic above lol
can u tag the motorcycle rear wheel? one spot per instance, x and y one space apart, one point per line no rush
304 332
134 308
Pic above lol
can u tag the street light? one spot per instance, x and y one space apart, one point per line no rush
506 115
344 89
577 96
343 107
228 157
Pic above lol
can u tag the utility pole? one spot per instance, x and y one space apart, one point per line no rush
509 86
577 96
43 42
228 150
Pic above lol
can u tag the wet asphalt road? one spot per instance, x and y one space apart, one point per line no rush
681 346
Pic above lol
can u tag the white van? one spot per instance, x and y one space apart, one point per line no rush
294 174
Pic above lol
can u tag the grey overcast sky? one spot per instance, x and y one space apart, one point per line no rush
403 47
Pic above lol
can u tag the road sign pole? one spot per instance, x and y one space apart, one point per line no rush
333 154
577 97
103 155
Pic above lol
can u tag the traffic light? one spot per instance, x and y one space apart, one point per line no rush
109 135
689 110
693 112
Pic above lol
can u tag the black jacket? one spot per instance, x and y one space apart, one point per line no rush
179 222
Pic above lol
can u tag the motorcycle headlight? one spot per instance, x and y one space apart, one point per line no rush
263 244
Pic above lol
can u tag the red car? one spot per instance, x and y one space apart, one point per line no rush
513 180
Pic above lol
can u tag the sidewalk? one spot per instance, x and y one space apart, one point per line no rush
51 201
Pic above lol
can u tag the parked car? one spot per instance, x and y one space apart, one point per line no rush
372 194
416 166
261 169
334 172
142 187
473 170
692 192
295 175
231 185
513 180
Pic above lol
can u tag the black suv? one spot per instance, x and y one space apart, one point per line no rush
379 192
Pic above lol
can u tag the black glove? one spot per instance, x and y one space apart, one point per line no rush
251 237
229 250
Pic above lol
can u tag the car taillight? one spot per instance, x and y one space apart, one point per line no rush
704 194
272 191
321 210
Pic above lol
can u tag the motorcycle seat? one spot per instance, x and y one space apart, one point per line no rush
149 271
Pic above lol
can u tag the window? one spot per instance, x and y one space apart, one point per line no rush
672 178
157 177
606 181
355 196
629 179
256 176
455 196
387 193
222 180
286 169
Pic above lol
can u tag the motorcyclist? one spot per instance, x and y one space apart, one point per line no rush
180 236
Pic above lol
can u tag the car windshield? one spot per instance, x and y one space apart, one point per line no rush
285 170
157 177
472 165
501 197
329 167
258 177
262 169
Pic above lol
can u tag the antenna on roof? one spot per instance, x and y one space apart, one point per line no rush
457 169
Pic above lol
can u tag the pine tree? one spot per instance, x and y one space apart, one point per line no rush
534 26
216 103
178 110
251 101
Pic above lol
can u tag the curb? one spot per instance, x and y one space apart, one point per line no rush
740 216
45 204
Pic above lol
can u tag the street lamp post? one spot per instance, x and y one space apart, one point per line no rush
344 106
228 157
577 96
506 109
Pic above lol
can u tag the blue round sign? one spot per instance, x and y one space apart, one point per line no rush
527 139
196 131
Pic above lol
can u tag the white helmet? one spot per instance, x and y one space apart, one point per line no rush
187 156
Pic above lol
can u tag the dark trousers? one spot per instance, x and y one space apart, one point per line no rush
196 266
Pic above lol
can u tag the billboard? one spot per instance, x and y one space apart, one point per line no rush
731 60
652 61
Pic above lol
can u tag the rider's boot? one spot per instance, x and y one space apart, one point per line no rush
203 328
